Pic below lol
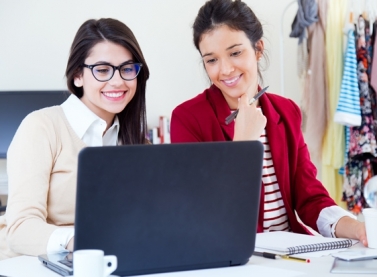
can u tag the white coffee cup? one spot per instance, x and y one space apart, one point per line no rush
370 218
93 263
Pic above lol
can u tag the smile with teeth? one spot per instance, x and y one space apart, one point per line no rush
113 94
232 80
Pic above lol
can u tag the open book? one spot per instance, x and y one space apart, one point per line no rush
291 243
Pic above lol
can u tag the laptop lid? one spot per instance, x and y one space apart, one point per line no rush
169 207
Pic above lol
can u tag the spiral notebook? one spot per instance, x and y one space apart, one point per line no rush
291 243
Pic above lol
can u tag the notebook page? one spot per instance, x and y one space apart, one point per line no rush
279 242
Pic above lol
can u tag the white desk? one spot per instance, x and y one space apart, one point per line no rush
25 266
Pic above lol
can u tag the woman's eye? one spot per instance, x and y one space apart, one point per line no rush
211 61
235 54
127 69
101 70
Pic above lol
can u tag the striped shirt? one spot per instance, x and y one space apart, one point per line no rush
275 216
348 111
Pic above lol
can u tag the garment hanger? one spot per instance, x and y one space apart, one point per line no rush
351 6
350 24
371 9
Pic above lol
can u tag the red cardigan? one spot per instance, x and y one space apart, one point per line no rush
203 119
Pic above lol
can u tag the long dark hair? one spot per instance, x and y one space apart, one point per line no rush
132 119
233 13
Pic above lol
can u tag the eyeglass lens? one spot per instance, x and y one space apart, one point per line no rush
105 72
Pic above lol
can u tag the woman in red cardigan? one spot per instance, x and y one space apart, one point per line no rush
228 36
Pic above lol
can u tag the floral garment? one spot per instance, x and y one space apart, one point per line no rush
362 151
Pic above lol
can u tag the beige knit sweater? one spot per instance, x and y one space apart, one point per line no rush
42 169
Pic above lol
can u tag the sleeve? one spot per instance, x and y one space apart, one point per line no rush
59 239
30 160
329 217
309 194
184 127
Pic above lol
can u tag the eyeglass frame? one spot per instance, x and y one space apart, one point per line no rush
91 66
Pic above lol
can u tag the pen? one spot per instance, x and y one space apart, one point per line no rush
285 257
233 115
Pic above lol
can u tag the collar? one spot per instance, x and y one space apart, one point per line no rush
268 108
75 109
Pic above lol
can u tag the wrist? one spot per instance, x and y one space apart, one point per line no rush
346 227
69 246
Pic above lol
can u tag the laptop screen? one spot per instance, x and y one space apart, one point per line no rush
169 207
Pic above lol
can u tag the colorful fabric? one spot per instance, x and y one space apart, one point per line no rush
362 138
348 110
333 141
347 139
306 15
362 151
373 75
358 172
314 100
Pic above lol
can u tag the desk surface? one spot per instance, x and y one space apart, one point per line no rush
25 266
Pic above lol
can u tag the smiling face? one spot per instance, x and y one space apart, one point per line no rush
106 99
231 62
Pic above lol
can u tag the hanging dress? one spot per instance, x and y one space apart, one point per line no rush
333 141
362 145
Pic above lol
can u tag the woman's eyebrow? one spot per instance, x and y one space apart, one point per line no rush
105 62
207 54
234 45
129 61
230 47
102 62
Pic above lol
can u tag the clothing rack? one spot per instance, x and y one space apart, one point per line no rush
282 47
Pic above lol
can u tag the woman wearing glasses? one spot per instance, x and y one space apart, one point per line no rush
228 36
106 74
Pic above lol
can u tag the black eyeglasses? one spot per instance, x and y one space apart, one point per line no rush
104 72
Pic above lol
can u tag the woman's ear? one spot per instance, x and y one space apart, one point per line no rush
78 81
259 49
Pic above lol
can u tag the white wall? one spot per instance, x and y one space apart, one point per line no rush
35 36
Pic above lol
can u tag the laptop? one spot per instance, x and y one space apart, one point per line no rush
168 207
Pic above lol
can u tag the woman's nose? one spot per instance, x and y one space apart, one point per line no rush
116 80
226 67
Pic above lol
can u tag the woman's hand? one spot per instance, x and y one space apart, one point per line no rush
361 233
348 227
250 121
70 245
